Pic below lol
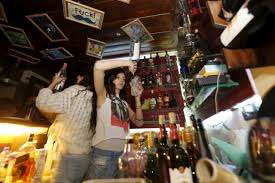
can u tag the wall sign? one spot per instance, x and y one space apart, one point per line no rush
16 36
95 48
56 53
82 14
47 26
23 56
3 16
137 31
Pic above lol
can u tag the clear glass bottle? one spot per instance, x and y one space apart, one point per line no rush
141 156
127 162
159 79
153 101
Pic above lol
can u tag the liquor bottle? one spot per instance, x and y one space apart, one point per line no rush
151 61
152 168
157 61
173 101
63 74
4 163
160 101
159 78
143 62
180 169
143 79
127 162
163 157
29 148
196 140
168 76
153 101
193 155
167 59
141 156
151 79
187 113
166 100
204 148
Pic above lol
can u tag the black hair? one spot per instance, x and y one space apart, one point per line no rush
88 82
110 76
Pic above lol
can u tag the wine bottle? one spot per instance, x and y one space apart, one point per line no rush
180 168
151 61
143 62
153 101
151 170
166 100
159 78
63 74
204 148
127 162
151 80
196 141
157 61
143 79
193 155
173 101
168 76
167 59
160 101
163 157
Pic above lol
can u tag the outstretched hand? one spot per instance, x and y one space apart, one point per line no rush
57 79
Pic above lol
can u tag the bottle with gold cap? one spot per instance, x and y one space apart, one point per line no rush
180 167
163 157
192 152
151 170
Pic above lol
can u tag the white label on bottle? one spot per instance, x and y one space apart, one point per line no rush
168 78
181 175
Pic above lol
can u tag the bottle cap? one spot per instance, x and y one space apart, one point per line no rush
161 119
65 65
172 117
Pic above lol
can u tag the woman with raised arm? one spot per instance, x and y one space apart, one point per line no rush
113 116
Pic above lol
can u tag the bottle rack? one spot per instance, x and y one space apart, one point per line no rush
151 116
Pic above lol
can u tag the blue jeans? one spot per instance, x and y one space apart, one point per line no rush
104 164
70 168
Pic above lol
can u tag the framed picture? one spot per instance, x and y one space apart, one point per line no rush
82 14
137 31
16 36
46 25
3 16
56 53
95 48
125 1
23 56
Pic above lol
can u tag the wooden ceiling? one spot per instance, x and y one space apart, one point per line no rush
158 16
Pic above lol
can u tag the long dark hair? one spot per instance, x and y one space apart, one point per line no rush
110 76
88 82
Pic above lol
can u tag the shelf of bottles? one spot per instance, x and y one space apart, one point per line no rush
162 94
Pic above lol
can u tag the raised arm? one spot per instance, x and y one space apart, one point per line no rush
100 67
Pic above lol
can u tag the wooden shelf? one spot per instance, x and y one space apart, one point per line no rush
214 8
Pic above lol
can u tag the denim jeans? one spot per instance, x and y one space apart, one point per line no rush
70 168
104 164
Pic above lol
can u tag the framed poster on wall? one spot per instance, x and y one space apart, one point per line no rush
3 16
83 14
125 1
56 53
47 26
95 48
23 56
137 31
16 36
